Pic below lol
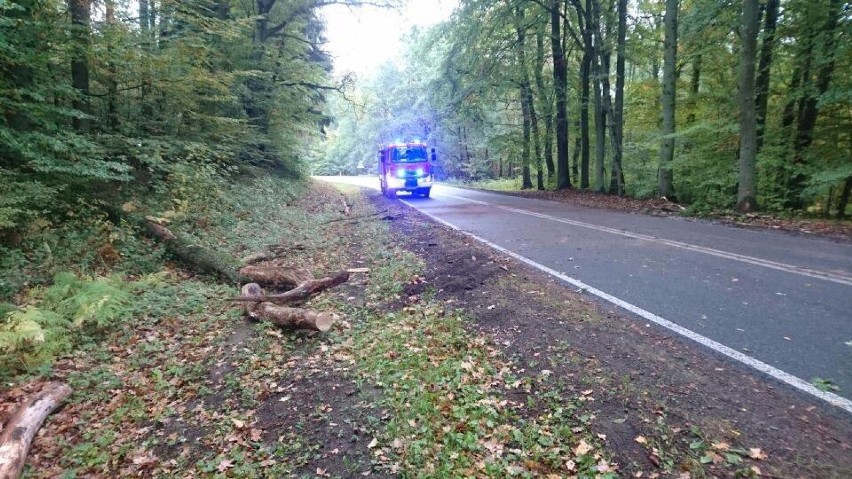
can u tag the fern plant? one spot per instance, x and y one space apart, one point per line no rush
56 316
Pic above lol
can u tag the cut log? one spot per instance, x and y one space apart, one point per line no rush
200 258
293 317
285 277
303 291
251 290
20 430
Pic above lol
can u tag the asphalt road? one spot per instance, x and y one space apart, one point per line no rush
782 299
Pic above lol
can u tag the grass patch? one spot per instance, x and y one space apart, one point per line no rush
447 390
497 184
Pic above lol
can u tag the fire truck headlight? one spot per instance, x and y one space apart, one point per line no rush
400 173
419 171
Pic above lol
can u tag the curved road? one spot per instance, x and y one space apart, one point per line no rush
778 302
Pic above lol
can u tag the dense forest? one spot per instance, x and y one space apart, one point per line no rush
112 107
721 105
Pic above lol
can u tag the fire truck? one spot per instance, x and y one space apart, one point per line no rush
406 167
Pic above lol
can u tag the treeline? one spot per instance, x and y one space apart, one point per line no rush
108 100
720 105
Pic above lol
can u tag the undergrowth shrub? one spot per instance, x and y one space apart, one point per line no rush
53 319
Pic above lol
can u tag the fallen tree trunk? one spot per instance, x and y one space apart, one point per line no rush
19 432
200 258
210 261
278 276
293 317
303 291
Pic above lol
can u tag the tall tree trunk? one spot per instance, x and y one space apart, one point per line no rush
665 186
746 192
606 105
600 129
809 105
526 97
530 99
21 74
223 9
584 17
112 71
788 115
575 157
618 113
560 85
80 20
143 18
763 70
585 71
547 103
844 198
694 85
526 180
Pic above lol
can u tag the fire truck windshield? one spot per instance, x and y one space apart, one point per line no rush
408 154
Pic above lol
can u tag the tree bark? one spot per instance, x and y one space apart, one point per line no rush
694 85
585 70
618 113
112 76
526 97
304 291
19 431
277 276
763 71
198 257
600 127
80 20
844 198
547 104
296 318
809 104
284 316
746 192
560 85
665 186
585 20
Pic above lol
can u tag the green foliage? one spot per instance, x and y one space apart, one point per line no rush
180 100
56 317
457 87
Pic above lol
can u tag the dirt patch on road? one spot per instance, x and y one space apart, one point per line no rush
659 401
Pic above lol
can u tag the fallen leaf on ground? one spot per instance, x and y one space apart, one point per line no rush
582 448
756 453
224 465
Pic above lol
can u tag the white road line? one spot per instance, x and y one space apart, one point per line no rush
776 373
823 275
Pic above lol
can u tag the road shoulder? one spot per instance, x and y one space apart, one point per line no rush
658 399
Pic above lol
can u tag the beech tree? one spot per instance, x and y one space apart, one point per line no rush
666 185
748 123
657 90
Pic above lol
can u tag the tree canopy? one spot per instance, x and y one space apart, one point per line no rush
662 118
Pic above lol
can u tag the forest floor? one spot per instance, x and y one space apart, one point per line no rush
447 360
830 228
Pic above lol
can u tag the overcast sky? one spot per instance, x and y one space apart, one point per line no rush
360 39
